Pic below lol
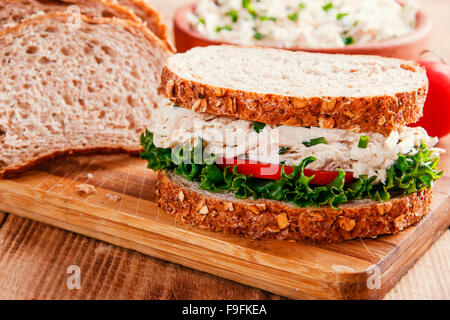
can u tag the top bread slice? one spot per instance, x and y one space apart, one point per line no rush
15 11
357 93
72 84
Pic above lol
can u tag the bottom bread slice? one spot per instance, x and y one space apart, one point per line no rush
269 219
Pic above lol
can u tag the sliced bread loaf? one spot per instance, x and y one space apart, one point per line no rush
15 11
358 93
71 86
269 219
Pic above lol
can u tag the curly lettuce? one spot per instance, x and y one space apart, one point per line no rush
409 174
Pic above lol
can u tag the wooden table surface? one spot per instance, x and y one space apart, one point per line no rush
34 257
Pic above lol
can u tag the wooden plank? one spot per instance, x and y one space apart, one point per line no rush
295 270
34 258
2 217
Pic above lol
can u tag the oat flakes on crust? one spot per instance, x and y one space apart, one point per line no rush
284 221
379 114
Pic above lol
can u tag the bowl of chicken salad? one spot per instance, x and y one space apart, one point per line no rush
380 27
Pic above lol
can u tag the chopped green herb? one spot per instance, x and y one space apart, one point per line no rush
363 142
302 5
176 106
355 23
348 40
293 16
328 6
283 150
234 15
265 18
258 126
201 21
315 141
339 16
258 35
227 27
246 4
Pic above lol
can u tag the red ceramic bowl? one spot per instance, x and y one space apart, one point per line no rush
406 47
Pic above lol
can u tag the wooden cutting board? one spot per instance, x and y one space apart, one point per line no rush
122 211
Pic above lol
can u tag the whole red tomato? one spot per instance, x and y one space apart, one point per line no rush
436 112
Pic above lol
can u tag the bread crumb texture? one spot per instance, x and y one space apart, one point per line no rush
66 90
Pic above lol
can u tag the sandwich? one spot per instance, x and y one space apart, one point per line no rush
75 86
273 144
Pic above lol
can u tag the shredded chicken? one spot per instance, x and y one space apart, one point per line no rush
235 138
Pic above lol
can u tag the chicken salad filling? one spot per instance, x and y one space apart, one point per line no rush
304 166
360 153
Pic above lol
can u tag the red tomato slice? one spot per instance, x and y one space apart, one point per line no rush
273 171
436 112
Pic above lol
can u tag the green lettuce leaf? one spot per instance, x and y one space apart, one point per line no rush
410 173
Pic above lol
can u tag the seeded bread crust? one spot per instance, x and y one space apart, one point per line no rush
268 219
150 17
359 114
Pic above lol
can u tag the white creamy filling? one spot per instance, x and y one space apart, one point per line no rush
230 137
305 23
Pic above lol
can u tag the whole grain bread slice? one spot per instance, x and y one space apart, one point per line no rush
72 84
16 11
269 219
357 93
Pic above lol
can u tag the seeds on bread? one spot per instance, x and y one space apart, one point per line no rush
364 93
270 219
